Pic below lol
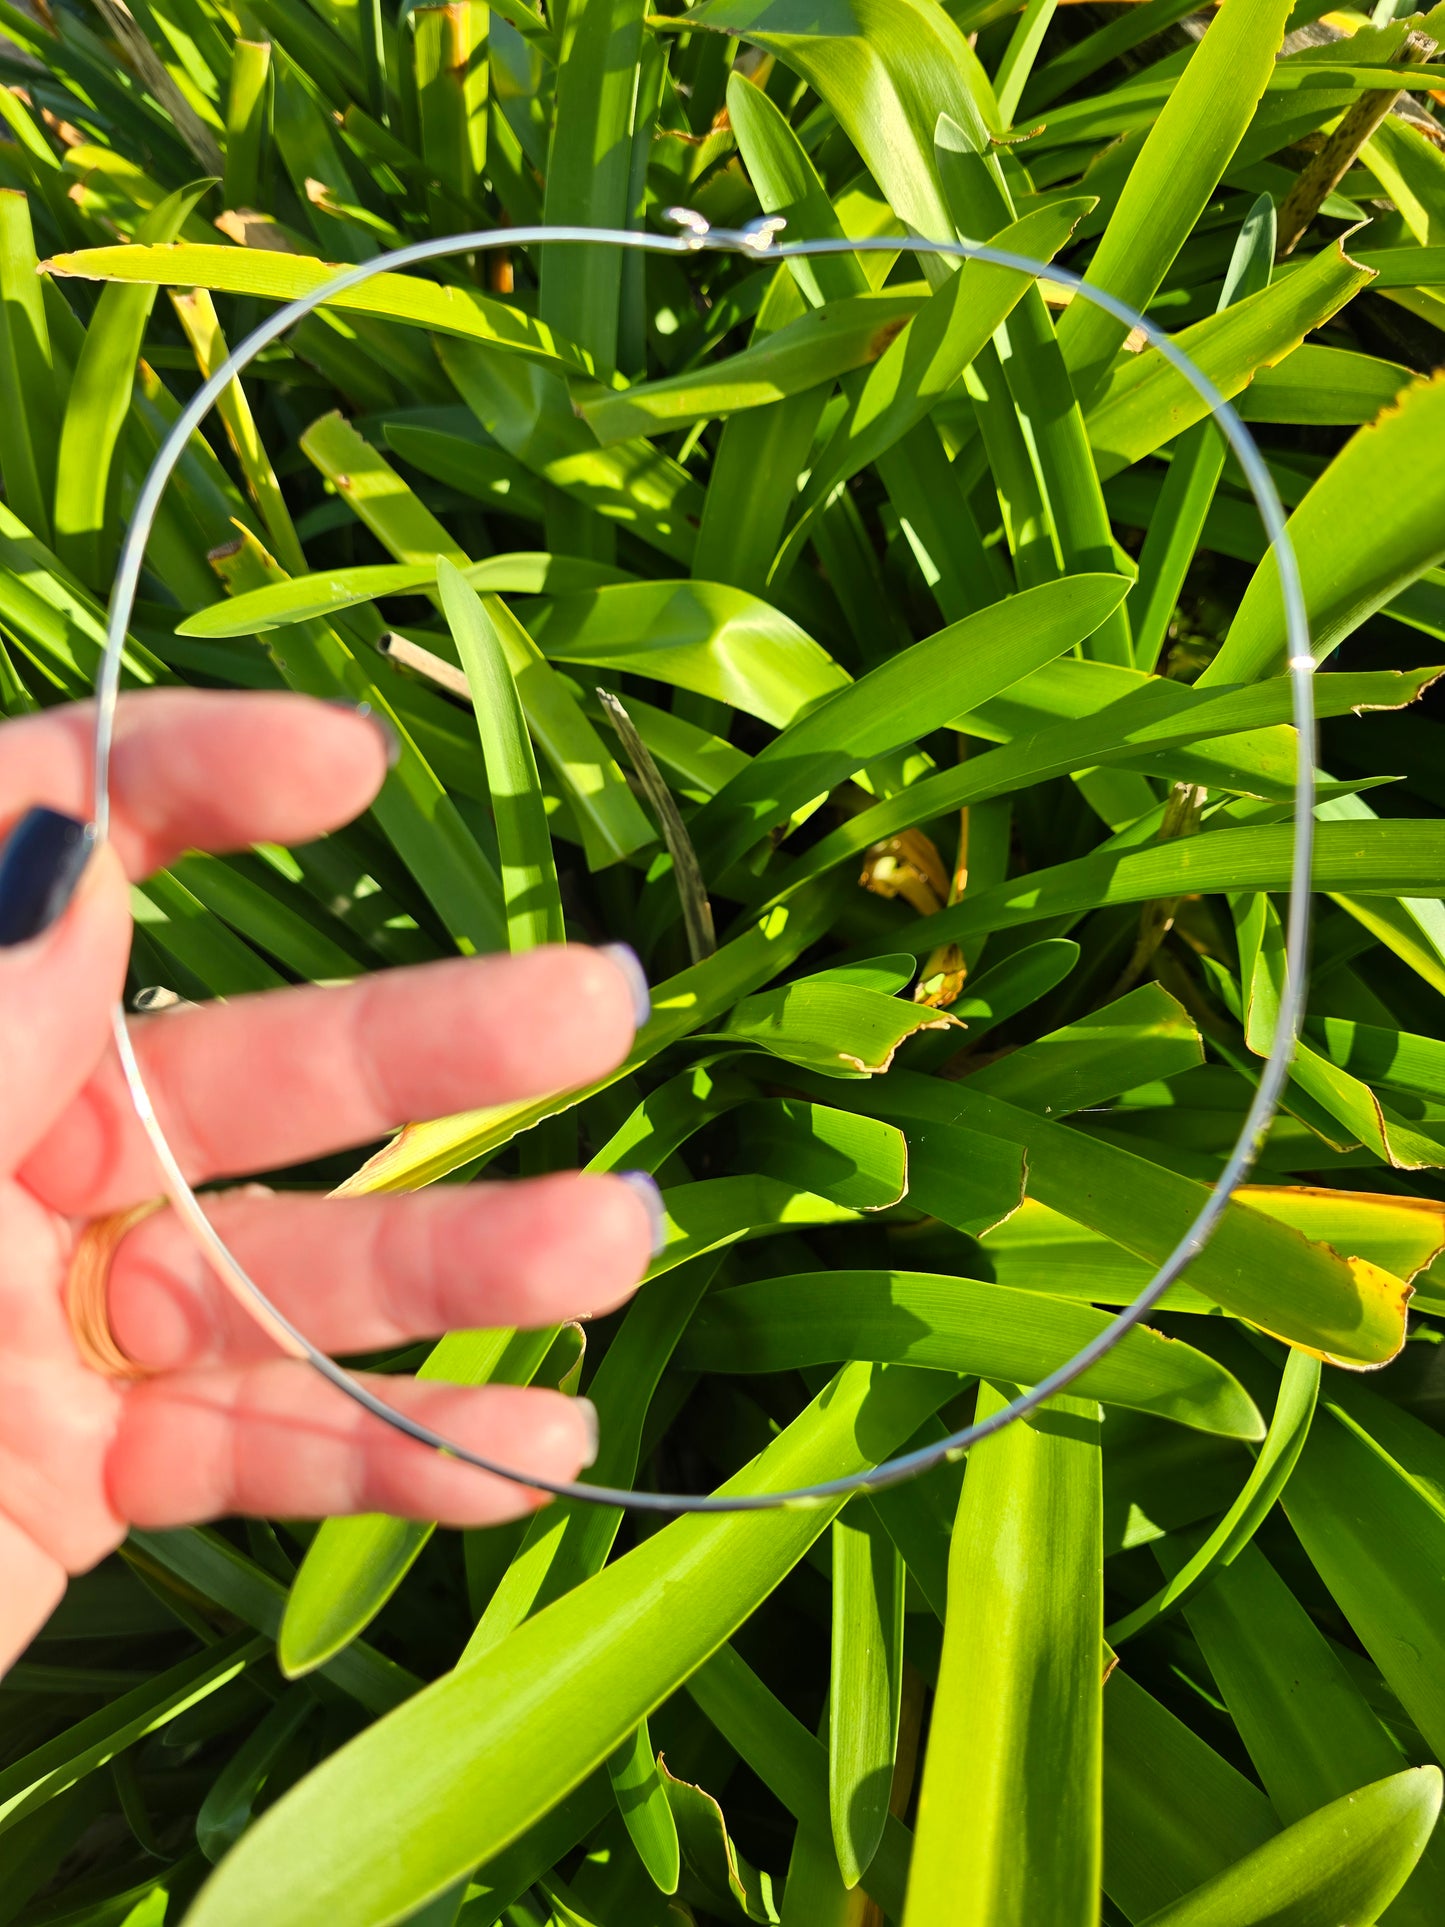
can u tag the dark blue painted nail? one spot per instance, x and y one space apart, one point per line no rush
40 866
645 1185
630 964
383 725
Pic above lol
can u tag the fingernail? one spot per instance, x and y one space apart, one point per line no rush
645 1186
630 964
39 868
383 725
587 1412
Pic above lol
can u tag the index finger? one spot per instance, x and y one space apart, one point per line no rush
195 769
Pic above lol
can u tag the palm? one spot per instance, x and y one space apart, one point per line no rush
220 1423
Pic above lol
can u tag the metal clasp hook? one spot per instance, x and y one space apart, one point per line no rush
759 235
695 226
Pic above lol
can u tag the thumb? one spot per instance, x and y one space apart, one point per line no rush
64 940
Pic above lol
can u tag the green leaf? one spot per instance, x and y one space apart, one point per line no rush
1345 1863
865 1688
788 185
1008 1815
527 409
1373 1532
643 1801
1368 859
817 347
39 1776
841 1029
1190 144
717 641
791 1763
887 69
1344 1308
1006 989
248 114
1196 463
1143 1035
714 1212
529 872
100 400
1145 723
1366 1120
414 810
1175 1811
1148 402
209 1564
554 1699
589 167
176 920
302 598
260 912
611 820
1276 1459
226 1811
902 698
855 1160
453 310
1372 524
711 1855
29 391
1041 1250
1309 1729
958 1325
1324 387
567 1543
449 50
1026 364
925 360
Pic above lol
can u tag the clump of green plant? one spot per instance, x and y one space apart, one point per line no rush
888 650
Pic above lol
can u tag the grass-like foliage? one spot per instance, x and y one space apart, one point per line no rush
942 780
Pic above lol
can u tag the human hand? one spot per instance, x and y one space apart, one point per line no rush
224 1424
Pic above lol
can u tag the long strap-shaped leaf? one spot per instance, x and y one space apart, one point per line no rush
524 844
958 1325
464 1768
1345 1863
1008 1817
903 698
1276 1459
99 401
455 311
1192 141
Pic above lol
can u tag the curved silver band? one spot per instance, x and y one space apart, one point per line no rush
759 240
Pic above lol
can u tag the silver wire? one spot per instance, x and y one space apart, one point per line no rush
759 240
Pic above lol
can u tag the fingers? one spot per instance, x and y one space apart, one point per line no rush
265 1082
34 1584
56 988
196 770
365 1273
275 1440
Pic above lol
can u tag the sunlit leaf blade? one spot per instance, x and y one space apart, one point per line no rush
442 1750
865 1688
960 1325
284 276
1346 1862
1352 565
1008 1817
529 873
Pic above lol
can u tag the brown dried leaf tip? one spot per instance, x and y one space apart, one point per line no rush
907 866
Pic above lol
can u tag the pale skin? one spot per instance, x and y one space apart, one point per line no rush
226 1424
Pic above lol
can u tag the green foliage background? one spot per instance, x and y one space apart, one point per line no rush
896 568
